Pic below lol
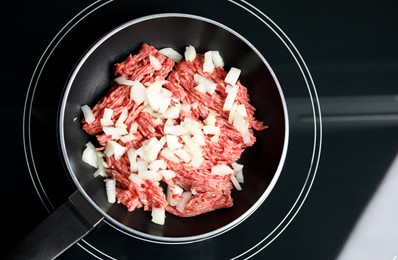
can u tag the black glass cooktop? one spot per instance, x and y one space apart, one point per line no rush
337 65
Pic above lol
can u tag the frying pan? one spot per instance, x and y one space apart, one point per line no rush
90 80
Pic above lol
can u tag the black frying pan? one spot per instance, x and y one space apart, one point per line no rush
91 79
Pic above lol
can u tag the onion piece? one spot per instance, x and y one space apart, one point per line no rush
232 76
158 216
217 59
155 62
90 155
110 188
114 148
230 99
186 195
88 114
235 182
106 119
190 53
221 169
171 53
123 81
137 92
208 65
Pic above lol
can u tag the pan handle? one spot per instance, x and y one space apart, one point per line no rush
60 230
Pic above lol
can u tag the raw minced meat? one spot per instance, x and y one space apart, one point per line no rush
170 143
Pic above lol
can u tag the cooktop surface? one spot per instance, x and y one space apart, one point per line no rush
336 63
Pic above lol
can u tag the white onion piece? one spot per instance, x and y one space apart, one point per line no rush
137 92
158 216
235 182
155 62
176 190
237 166
190 53
88 114
136 179
90 155
110 187
197 160
167 174
232 75
150 175
211 130
172 112
186 195
169 155
171 53
114 148
173 143
208 65
221 169
201 88
153 148
156 165
183 155
123 81
132 155
239 176
123 116
230 99
115 132
217 59
175 130
133 127
210 119
106 119
127 138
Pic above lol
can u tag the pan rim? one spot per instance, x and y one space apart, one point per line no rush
142 235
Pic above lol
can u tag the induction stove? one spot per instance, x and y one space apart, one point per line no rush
337 61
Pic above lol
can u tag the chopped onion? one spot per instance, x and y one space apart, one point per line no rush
106 119
132 155
123 116
88 114
208 65
156 165
115 132
186 195
221 169
136 179
90 155
169 155
153 148
167 174
171 53
173 143
175 130
114 148
155 62
232 75
123 81
235 182
229 101
150 175
138 92
190 53
110 187
217 59
158 216
183 155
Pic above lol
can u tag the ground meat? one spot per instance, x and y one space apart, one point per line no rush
208 191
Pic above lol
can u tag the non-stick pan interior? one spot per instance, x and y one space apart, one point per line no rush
91 79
